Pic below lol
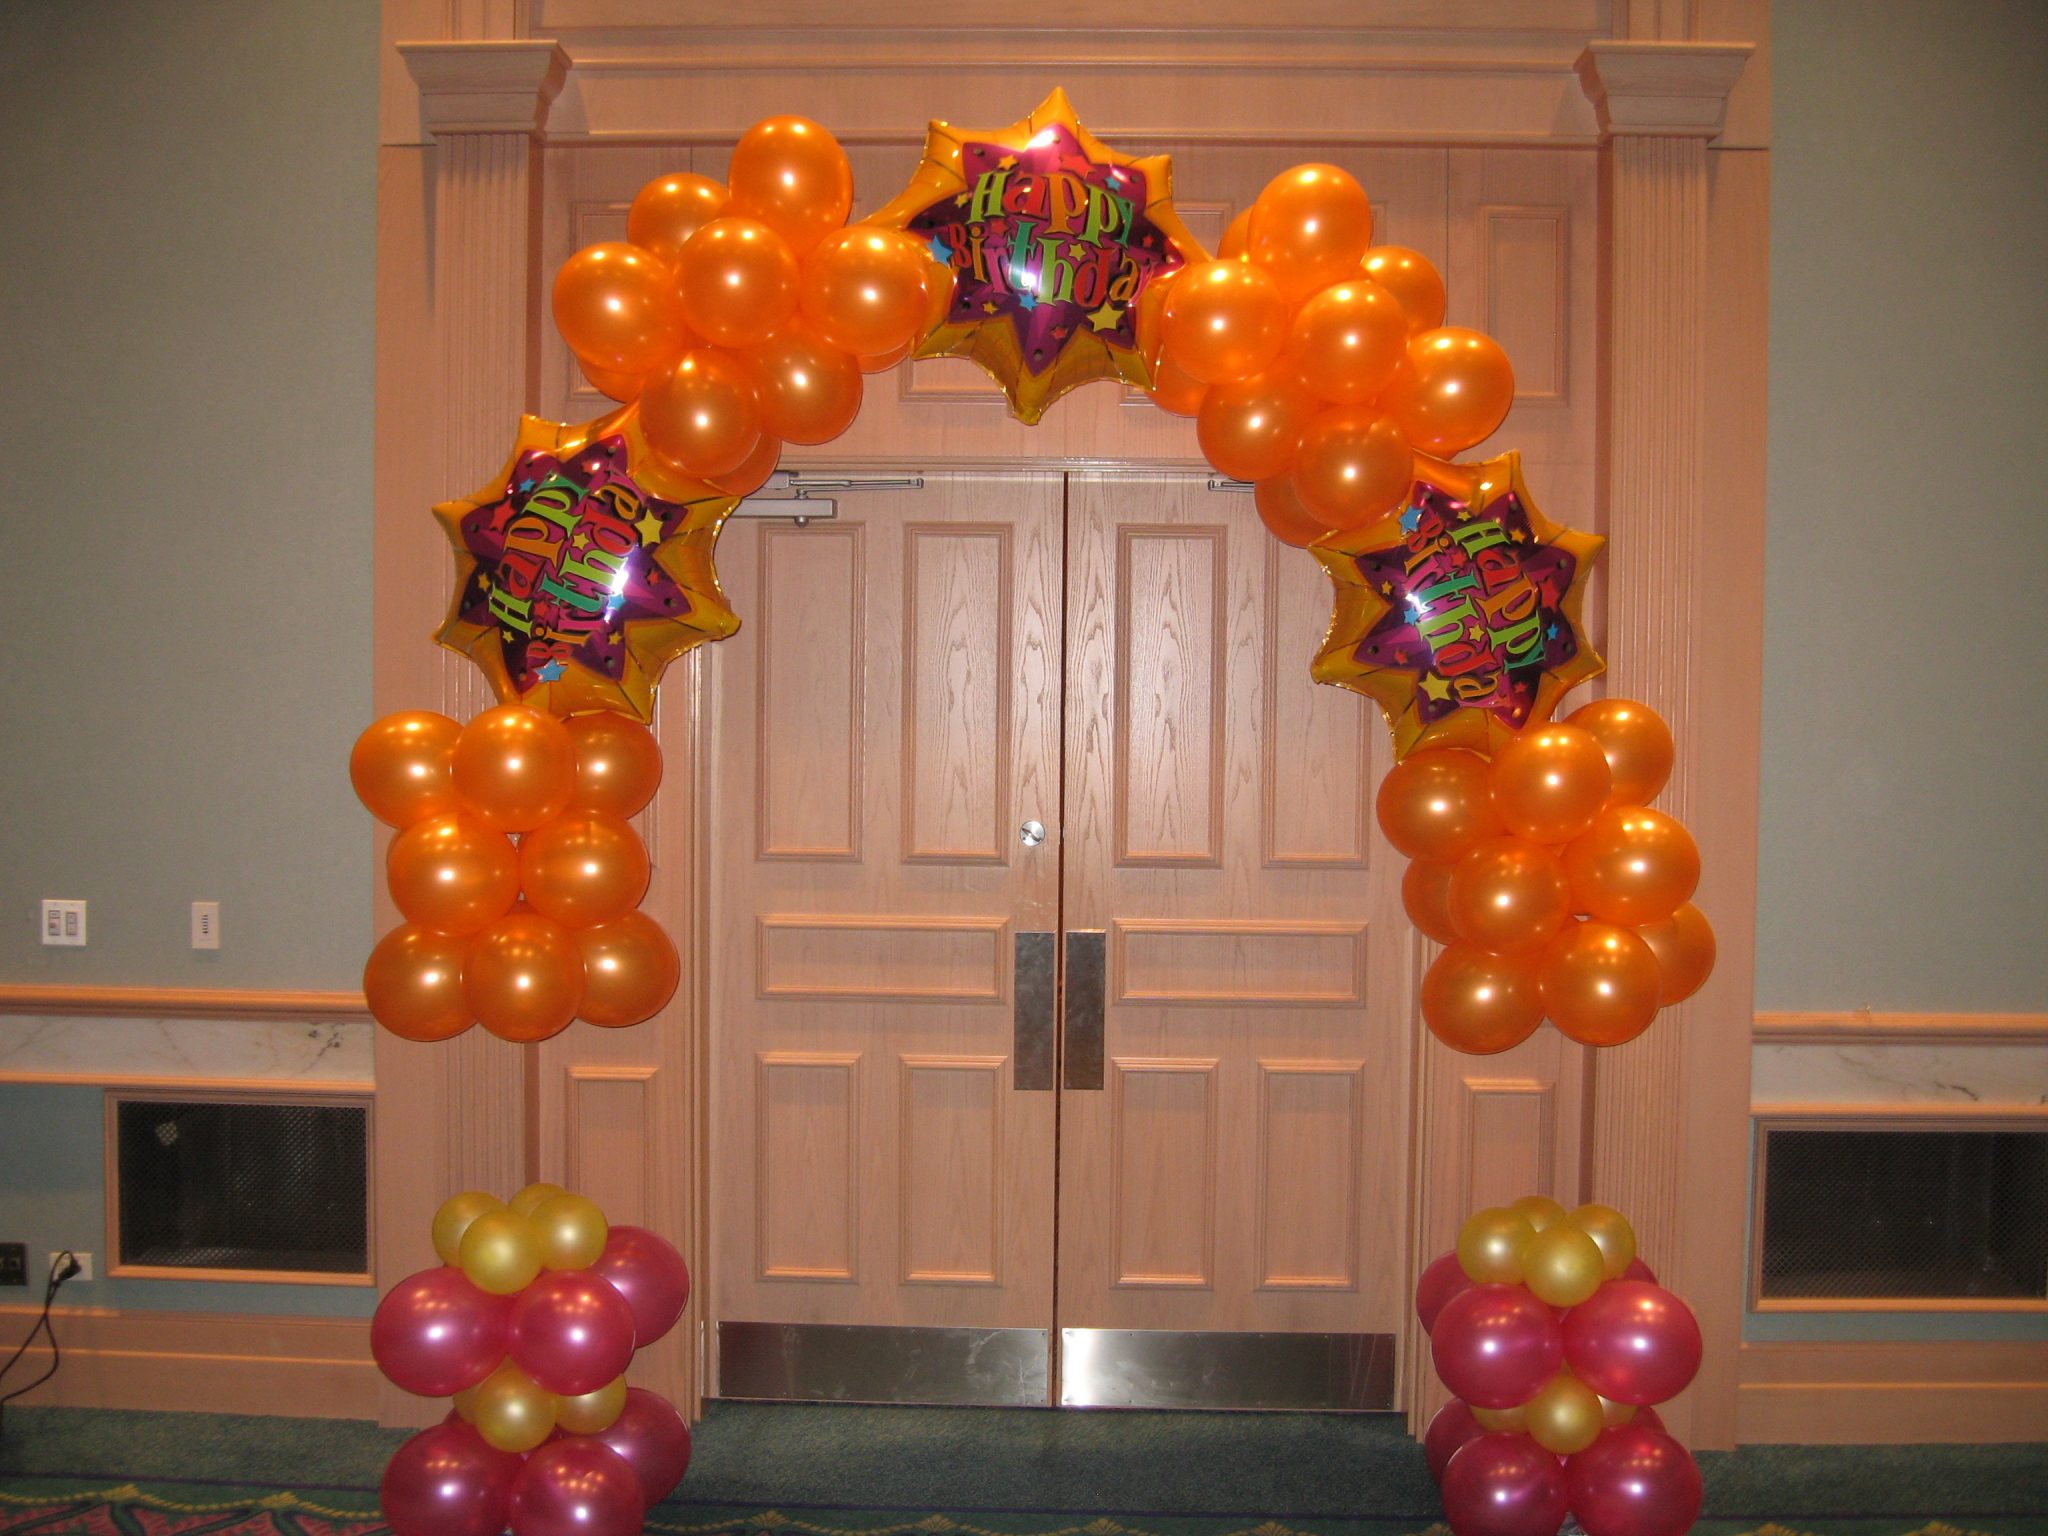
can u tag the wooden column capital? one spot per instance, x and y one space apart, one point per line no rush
1677 90
496 86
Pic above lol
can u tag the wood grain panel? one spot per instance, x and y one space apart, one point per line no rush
1511 1148
608 1134
1311 1120
899 959
1169 694
957 583
806 1165
1318 756
1164 1161
950 1149
810 613
1291 965
1527 256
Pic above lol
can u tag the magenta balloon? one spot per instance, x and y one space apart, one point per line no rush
1504 1485
575 1486
1634 1481
447 1481
1443 1279
1638 1270
1633 1342
1448 1434
655 1442
1496 1345
651 1275
436 1334
571 1332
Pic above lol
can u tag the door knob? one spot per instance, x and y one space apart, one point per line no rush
1031 834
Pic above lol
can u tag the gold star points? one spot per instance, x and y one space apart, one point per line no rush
1106 318
650 529
1438 688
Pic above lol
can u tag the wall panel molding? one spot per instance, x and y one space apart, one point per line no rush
1952 1391
184 1002
1860 1026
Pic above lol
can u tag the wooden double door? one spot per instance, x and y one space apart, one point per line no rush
1060 1023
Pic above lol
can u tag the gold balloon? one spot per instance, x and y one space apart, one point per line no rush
1501 1421
1564 1418
572 1231
1610 1232
454 1217
500 1252
513 1411
533 1196
1540 1211
594 1412
1562 1265
1684 946
464 1404
1490 1246
1637 742
1614 1414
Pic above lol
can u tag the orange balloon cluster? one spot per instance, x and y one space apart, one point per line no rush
1556 890
516 871
1317 365
741 317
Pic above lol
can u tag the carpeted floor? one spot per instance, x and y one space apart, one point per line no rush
837 1471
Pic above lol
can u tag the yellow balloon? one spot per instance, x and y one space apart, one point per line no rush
513 1411
1610 1230
454 1217
1540 1211
1564 1418
1502 1421
594 1412
572 1233
1490 1246
528 1200
1614 1414
1563 1265
501 1253
464 1404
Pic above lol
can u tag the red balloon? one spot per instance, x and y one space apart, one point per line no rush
1633 1342
654 1441
650 1274
576 1486
571 1332
1449 1432
1638 1270
1444 1279
1504 1485
436 1334
447 1481
1634 1481
1496 1346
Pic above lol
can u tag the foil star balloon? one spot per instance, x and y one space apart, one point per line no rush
1053 238
1460 615
583 569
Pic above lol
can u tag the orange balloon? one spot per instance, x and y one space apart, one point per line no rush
1176 391
1684 946
1480 1003
1237 237
1224 320
1632 866
1248 428
413 983
1599 983
584 867
670 209
452 873
1347 341
863 289
524 977
615 305
738 281
1412 279
1434 804
514 767
1508 894
399 766
1280 509
1550 782
754 473
701 414
618 763
882 362
808 389
1637 743
622 387
1310 227
1454 389
630 969
1353 466
791 174
1426 898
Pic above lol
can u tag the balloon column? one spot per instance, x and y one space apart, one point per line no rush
529 1324
1556 1340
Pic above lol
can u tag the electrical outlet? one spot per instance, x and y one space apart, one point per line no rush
206 925
63 922
84 1265
13 1263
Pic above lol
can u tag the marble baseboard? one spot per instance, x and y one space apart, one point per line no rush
1990 1074
62 1045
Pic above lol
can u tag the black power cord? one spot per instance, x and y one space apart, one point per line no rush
62 1267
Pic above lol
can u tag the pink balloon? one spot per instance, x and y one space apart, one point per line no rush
576 1487
651 1275
1504 1485
1633 1342
654 1441
571 1332
436 1334
1496 1345
1634 1481
1443 1279
447 1481
1448 1433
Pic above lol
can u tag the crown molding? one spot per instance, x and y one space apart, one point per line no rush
496 86
1673 90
